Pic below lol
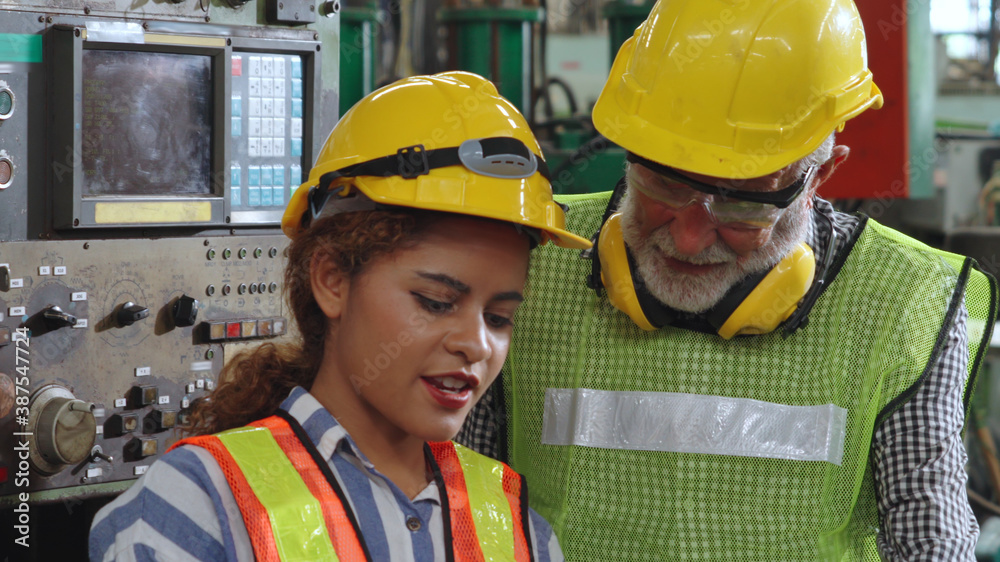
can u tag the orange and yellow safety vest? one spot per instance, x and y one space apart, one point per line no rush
294 508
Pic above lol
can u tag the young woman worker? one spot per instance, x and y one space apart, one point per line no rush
406 265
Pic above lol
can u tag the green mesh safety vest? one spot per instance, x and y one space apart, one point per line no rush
869 340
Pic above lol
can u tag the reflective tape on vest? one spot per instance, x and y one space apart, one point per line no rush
693 423
492 513
292 513
296 516
485 505
267 467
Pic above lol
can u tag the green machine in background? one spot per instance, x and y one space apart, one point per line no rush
358 44
582 161
497 42
501 42
594 166
623 17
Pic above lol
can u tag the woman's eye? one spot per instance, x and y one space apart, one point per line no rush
498 321
433 306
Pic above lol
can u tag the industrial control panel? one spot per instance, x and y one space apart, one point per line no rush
147 153
104 348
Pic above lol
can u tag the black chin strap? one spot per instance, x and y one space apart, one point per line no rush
410 162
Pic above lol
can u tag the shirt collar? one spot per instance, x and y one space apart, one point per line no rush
330 437
320 426
819 228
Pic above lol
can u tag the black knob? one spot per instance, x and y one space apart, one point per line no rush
140 396
131 313
159 420
55 318
185 311
120 424
139 448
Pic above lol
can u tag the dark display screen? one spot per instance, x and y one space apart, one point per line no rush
147 123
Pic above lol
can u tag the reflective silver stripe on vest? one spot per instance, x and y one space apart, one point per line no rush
693 423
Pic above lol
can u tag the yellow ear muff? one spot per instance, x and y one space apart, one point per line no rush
616 275
776 297
772 301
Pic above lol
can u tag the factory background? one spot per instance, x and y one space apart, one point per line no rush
148 148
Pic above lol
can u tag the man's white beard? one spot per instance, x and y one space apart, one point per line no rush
699 292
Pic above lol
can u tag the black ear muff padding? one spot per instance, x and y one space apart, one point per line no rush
656 313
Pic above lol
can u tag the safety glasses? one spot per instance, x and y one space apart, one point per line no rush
725 205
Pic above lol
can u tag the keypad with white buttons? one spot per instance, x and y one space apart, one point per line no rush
266 130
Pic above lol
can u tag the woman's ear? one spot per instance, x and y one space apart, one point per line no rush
329 284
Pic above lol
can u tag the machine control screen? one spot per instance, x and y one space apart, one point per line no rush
147 123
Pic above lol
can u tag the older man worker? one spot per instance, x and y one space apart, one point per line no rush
757 376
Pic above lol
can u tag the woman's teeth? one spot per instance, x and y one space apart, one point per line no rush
452 384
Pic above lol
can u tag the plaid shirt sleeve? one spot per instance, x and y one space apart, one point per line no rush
919 465
484 428
918 456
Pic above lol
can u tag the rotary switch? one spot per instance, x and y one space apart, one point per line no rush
56 318
130 313
63 427
185 311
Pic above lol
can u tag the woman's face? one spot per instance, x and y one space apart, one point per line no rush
421 333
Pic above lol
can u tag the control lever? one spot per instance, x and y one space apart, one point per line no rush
95 453
56 318
131 313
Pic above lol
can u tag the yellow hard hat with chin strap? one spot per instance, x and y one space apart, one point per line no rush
737 89
447 142
732 89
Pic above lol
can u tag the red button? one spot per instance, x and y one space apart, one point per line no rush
233 330
237 66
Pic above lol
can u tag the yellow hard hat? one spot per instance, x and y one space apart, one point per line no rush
447 142
737 89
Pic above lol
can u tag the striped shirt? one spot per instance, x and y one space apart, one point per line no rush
183 508
917 454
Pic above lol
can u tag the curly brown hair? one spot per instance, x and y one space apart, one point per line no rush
255 382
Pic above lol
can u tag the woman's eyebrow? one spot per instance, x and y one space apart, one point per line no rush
508 296
465 289
445 280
